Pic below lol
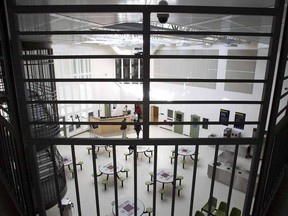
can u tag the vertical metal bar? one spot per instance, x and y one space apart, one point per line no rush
146 73
55 169
20 92
232 178
271 128
194 180
271 64
76 179
174 180
95 181
115 179
155 178
135 178
213 179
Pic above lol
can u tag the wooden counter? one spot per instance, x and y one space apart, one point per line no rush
109 129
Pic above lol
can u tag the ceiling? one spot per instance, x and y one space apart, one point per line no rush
133 22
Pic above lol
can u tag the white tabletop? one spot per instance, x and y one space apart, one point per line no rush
100 146
108 168
165 175
142 149
67 160
126 207
185 151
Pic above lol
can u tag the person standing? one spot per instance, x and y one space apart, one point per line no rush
138 111
123 128
137 128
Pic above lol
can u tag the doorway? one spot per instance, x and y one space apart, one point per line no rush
179 116
194 129
154 113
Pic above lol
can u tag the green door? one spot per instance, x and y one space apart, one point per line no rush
178 117
194 129
107 110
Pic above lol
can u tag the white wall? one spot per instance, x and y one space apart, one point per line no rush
111 91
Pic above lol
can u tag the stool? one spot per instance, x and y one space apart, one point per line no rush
162 191
180 179
105 182
80 163
113 203
126 155
149 157
109 150
89 149
122 180
183 162
151 174
171 158
149 210
179 188
72 172
148 183
126 170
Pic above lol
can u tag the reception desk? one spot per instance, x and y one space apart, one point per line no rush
109 129
224 170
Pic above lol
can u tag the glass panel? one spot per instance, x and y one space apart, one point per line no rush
209 45
180 91
210 22
80 22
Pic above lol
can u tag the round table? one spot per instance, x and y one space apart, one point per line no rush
164 176
126 207
108 168
185 151
67 160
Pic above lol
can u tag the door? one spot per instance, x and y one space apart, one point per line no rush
107 110
179 116
154 113
194 129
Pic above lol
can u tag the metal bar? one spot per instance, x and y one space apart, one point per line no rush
141 8
194 180
151 80
155 178
213 179
46 57
115 179
264 175
150 141
95 180
273 50
136 32
76 180
232 178
55 170
135 179
151 102
174 180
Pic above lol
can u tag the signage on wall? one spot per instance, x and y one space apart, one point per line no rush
224 116
240 119
205 123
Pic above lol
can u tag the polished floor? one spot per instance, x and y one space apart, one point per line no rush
87 191
86 184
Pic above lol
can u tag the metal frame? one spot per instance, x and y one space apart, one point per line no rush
146 10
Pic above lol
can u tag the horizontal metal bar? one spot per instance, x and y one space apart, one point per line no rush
137 102
139 141
151 80
46 57
147 9
133 123
284 95
209 57
137 32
